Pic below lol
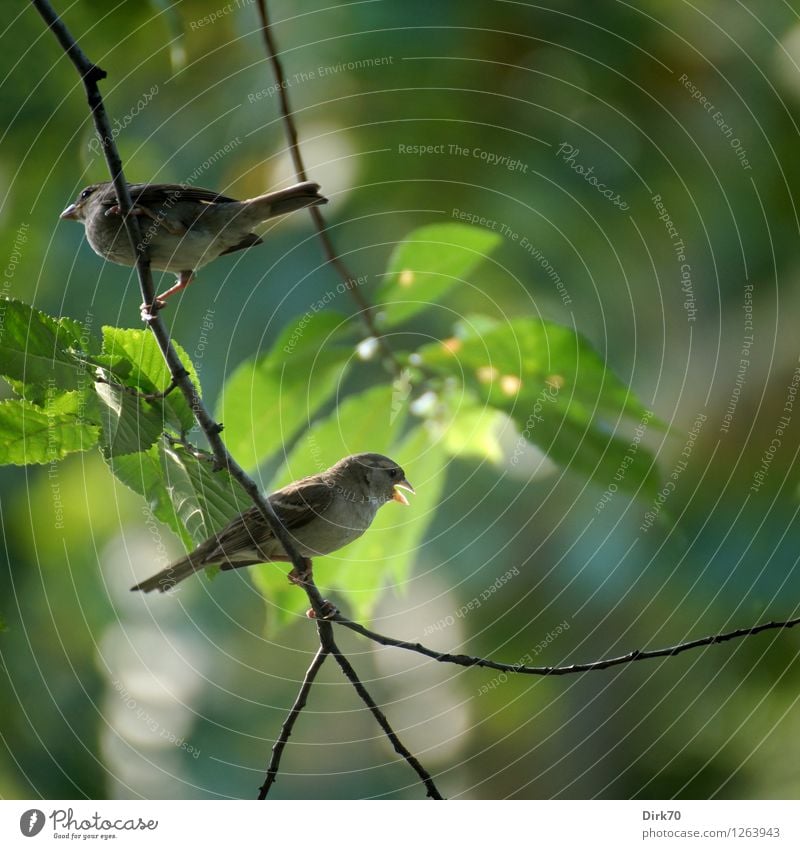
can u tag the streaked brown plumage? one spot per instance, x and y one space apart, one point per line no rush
183 227
322 513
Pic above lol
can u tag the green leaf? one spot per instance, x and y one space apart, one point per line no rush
129 423
136 361
471 429
33 434
40 353
267 400
365 422
558 391
143 472
182 489
427 264
204 500
369 421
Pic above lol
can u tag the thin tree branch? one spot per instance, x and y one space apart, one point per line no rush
380 718
288 724
366 310
630 657
327 645
91 74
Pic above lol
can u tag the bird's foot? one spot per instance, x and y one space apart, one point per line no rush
301 578
150 311
329 610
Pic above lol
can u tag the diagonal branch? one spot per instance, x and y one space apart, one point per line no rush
349 280
380 718
288 724
90 75
595 665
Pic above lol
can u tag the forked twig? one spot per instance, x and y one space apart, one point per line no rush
288 723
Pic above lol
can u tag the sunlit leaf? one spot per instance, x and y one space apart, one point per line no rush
560 393
266 401
40 353
143 472
136 361
429 263
129 423
471 429
204 500
33 434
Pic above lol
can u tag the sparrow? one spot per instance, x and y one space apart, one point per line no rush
322 513
183 227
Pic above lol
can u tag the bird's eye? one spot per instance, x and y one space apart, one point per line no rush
393 473
85 193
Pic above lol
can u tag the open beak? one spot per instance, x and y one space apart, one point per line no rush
398 495
70 213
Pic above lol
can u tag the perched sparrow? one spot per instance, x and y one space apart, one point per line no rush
183 227
322 513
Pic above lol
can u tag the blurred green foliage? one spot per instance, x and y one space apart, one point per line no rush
98 681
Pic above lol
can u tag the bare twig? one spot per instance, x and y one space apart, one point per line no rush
327 645
288 724
91 74
596 665
366 310
380 718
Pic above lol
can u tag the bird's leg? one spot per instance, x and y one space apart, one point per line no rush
149 310
184 279
301 578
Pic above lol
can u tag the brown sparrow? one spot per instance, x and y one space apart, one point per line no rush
183 227
322 513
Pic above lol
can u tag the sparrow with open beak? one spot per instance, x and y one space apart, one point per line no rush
183 227
322 513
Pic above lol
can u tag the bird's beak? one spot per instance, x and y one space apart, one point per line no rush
70 213
398 495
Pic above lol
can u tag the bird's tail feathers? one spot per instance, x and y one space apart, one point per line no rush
167 578
288 200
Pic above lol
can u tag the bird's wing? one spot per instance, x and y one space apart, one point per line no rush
295 505
156 194
302 502
247 242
